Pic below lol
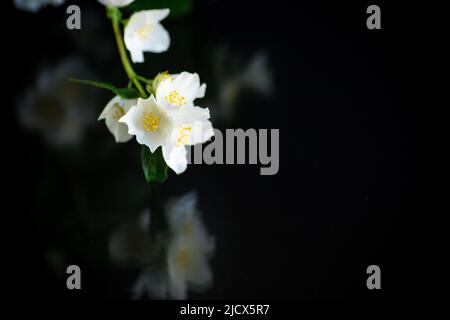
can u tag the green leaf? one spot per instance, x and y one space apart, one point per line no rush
153 164
126 93
177 7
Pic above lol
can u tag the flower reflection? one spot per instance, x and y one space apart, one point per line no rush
234 78
190 248
55 108
174 260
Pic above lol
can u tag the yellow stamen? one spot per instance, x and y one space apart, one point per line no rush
184 133
144 31
184 259
187 228
150 122
175 98
165 75
119 113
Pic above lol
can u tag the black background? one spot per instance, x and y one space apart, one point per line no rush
349 192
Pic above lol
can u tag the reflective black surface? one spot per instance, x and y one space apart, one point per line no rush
349 192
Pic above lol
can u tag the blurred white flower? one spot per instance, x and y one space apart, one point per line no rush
144 33
114 110
257 76
155 126
36 5
234 78
55 108
178 90
254 77
186 264
133 245
116 3
190 249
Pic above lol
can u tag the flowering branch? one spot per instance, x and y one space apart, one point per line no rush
115 15
165 120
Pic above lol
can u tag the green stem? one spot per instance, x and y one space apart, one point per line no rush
148 81
115 19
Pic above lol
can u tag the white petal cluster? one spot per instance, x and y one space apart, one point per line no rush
144 33
171 120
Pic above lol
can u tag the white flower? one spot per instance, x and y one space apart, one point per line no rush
116 3
178 90
114 110
193 126
144 33
36 5
176 93
190 249
149 122
155 126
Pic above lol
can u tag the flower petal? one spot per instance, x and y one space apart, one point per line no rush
156 15
113 110
137 55
202 131
201 91
190 114
176 158
158 40
134 119
188 84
